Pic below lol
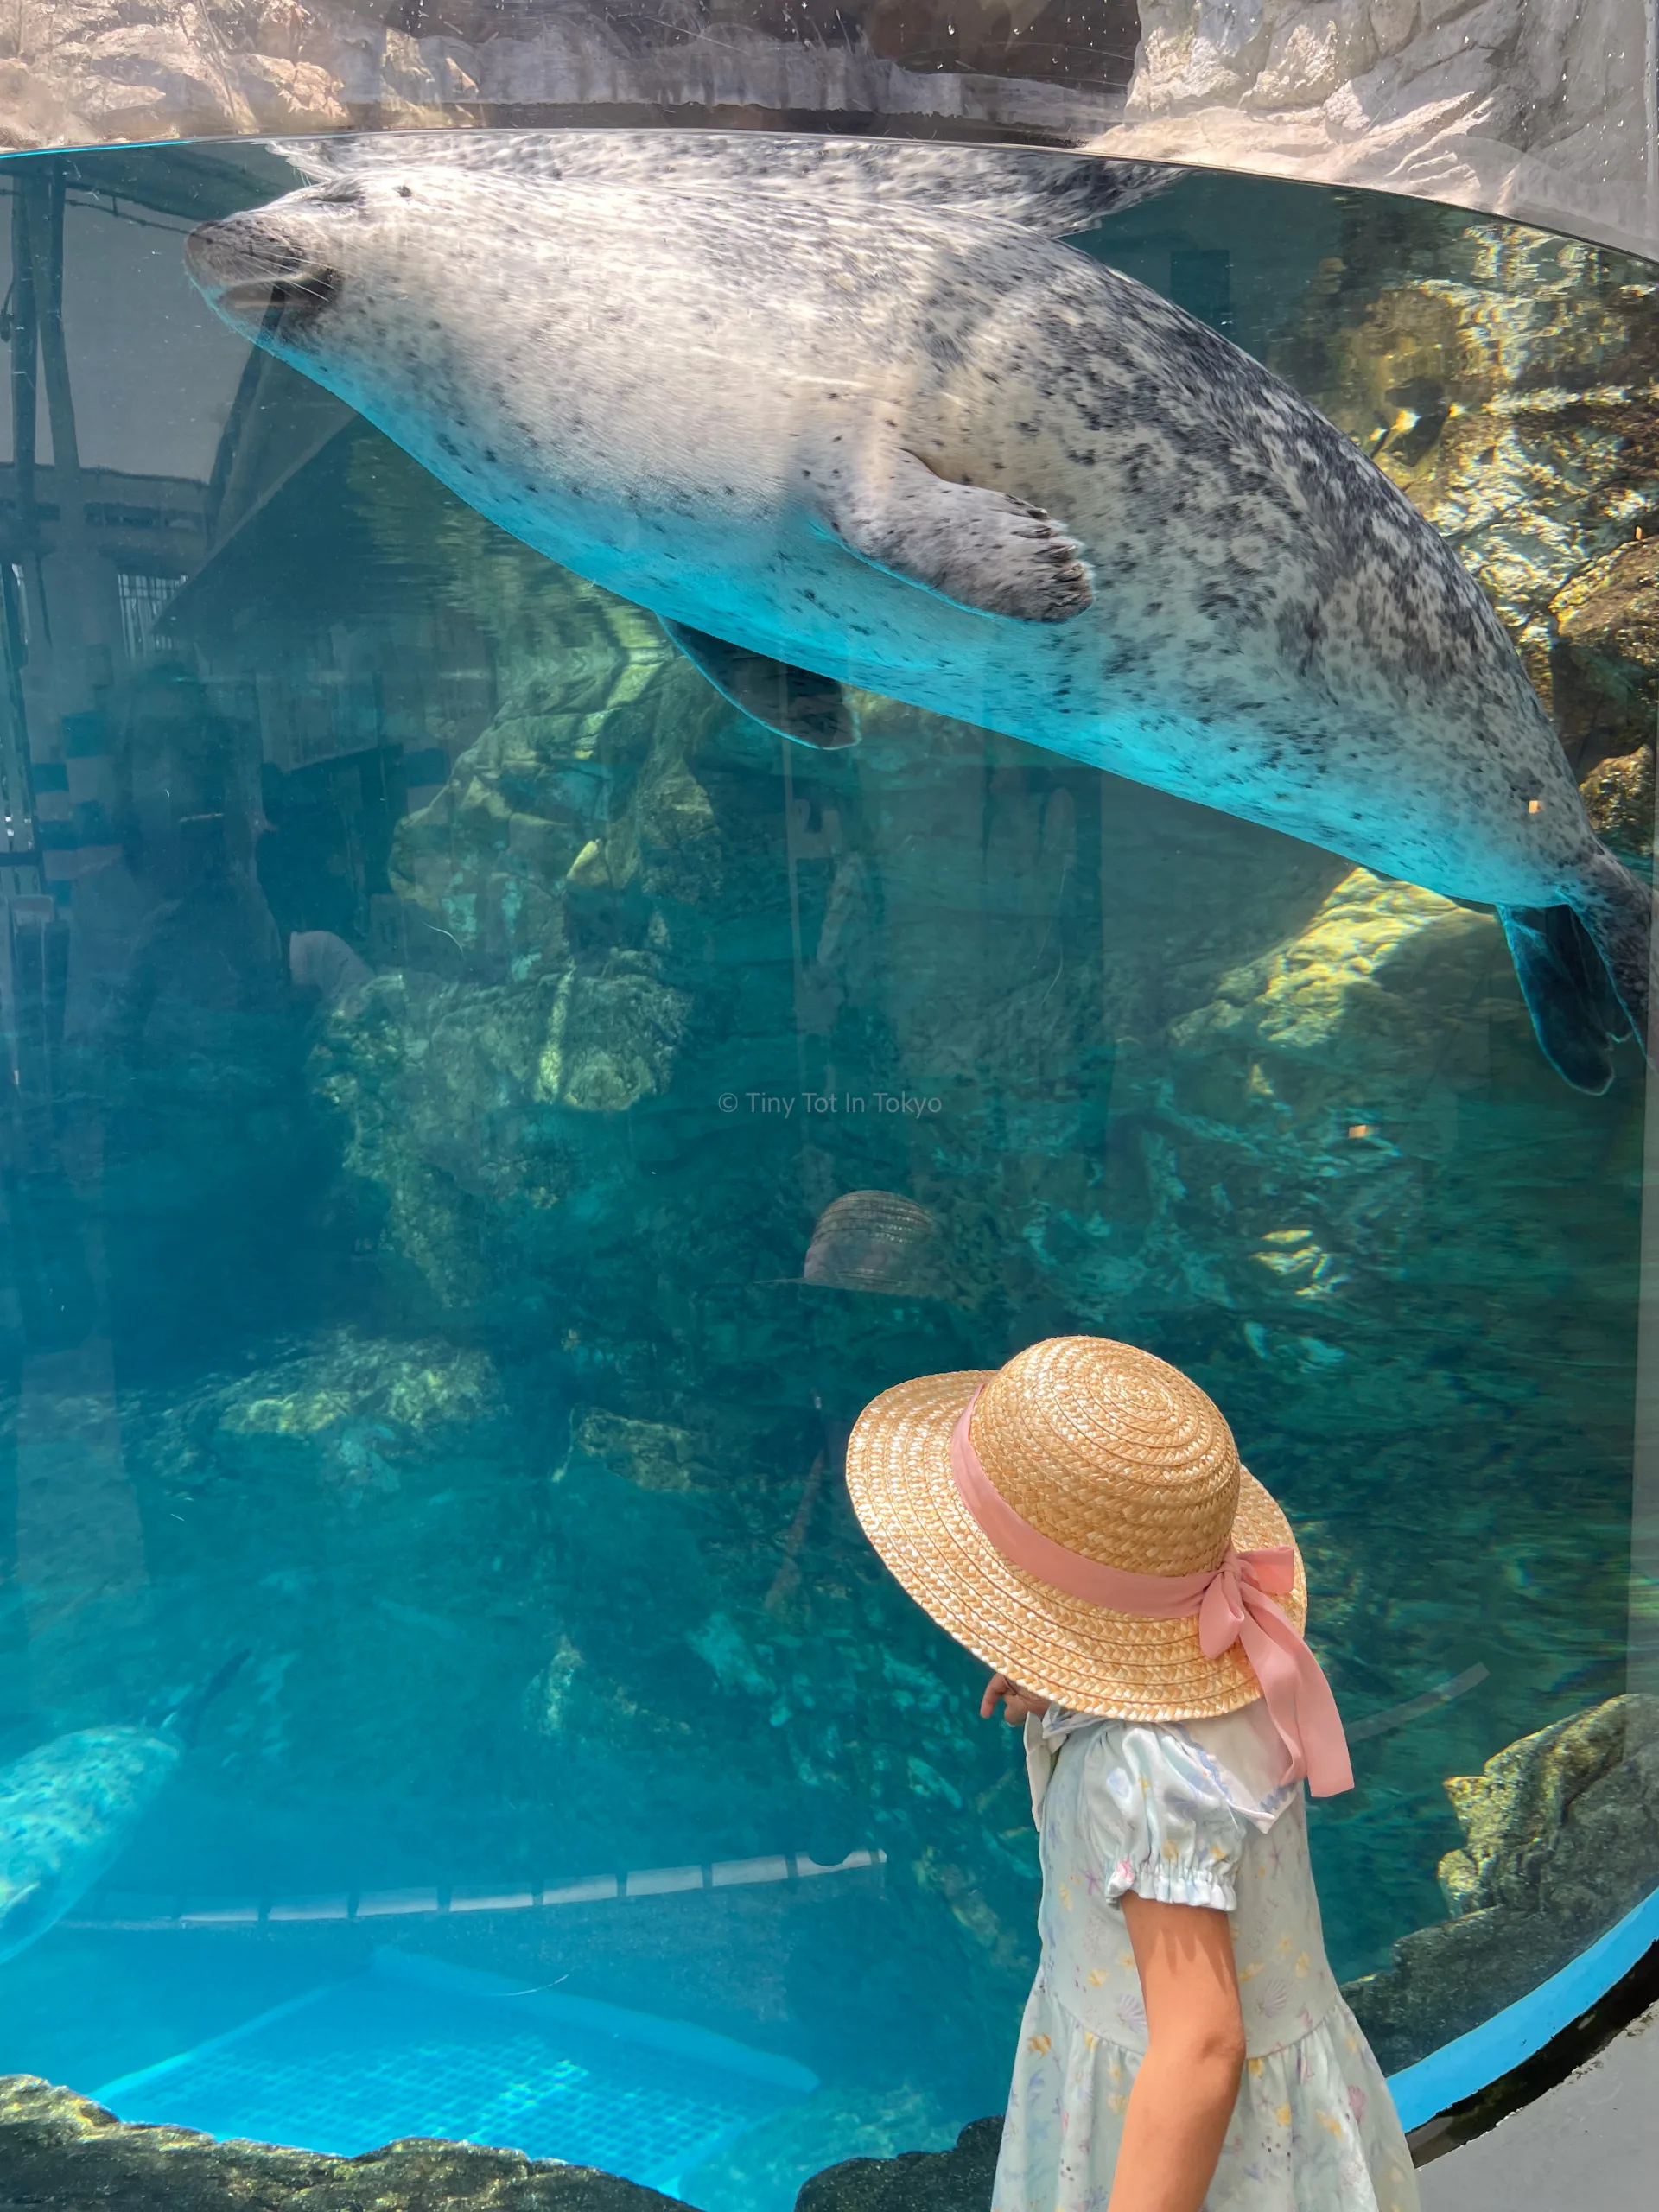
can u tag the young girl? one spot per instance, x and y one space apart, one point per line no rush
1079 1520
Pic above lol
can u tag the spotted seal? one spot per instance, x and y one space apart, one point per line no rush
68 1809
847 414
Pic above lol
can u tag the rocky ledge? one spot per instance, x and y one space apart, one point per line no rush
1561 1840
957 2180
64 2151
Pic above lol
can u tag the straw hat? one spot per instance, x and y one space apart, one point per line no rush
876 1240
1104 1449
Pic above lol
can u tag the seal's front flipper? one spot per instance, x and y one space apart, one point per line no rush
983 550
811 709
1568 992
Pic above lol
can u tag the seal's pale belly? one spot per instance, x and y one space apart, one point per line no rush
780 589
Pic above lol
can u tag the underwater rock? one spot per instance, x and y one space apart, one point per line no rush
341 1508
1507 396
652 1455
433 1083
957 2180
1618 797
769 2163
1280 1146
1288 1137
1348 997
562 887
1564 1821
349 1412
1607 661
1561 1838
59 2149
611 1039
576 793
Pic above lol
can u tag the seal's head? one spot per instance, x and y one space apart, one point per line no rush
278 270
278 273
372 284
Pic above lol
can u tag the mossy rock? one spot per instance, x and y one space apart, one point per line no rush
1605 664
612 1039
652 1455
1351 994
1562 1834
412 1386
1618 797
1563 1819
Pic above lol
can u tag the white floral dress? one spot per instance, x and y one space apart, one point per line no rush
1192 1813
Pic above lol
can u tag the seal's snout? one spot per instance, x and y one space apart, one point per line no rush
256 270
243 249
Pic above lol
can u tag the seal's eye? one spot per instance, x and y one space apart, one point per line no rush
405 192
349 193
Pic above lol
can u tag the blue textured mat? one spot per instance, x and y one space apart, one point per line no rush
389 2054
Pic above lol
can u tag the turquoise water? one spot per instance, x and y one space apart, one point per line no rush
438 1024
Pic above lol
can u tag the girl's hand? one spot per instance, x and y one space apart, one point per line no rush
1019 1704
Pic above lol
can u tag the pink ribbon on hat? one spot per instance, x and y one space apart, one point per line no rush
1233 1601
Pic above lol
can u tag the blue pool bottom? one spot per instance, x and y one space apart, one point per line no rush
416 2047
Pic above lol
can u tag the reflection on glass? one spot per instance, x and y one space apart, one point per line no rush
487 1110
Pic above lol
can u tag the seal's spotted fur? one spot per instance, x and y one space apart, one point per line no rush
857 408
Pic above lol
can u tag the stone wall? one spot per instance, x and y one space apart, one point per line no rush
1539 109
98 72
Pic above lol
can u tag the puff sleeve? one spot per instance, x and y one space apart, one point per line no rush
1155 1818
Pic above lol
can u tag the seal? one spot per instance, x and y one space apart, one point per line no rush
855 415
69 1808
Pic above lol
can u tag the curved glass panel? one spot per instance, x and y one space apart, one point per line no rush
1538 109
495 1086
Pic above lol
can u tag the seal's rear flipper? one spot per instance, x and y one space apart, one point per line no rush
984 549
1571 993
1616 909
812 709
184 1719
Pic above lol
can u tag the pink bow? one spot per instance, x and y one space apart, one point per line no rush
1233 1601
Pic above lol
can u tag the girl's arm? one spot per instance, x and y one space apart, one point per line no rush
1184 2092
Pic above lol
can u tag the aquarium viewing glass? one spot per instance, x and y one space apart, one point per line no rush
485 1112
